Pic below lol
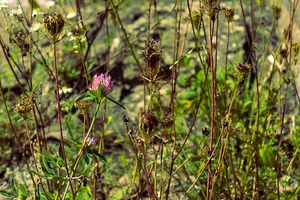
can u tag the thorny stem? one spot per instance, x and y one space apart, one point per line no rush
62 143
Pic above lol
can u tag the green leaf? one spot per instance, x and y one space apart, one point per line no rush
75 143
93 93
88 98
14 186
99 156
23 190
45 164
83 193
116 102
7 194
34 4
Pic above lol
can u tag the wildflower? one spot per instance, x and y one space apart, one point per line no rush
36 12
2 5
65 90
104 81
91 141
17 11
71 14
34 27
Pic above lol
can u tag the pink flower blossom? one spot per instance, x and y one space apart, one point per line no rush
104 81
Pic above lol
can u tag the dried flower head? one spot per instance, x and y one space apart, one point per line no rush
167 119
104 81
78 34
276 11
242 70
54 24
211 8
26 105
18 37
148 121
83 105
229 14
126 119
205 131
151 54
196 19
283 51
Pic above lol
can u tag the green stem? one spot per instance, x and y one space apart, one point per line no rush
82 146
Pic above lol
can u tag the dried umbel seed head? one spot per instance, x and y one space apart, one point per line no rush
276 12
26 105
196 19
229 14
148 121
283 51
18 37
151 54
54 24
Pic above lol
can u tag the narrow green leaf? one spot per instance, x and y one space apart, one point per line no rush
34 4
99 156
14 186
116 102
88 98
7 194
83 193
23 190
93 93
